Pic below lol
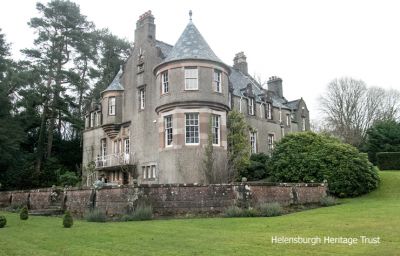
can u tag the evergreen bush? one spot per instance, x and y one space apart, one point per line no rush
310 157
388 160
3 221
68 221
23 215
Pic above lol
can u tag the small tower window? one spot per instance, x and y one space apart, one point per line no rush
217 81
215 126
168 130
191 79
164 82
111 106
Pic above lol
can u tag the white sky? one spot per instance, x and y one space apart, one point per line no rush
307 43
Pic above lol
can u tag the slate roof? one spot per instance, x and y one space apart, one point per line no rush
293 104
191 45
239 81
115 85
164 47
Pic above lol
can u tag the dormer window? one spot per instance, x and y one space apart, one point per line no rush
217 81
268 111
164 82
250 106
111 106
191 79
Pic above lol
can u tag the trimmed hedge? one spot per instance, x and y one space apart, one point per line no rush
388 160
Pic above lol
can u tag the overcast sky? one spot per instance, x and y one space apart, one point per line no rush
307 43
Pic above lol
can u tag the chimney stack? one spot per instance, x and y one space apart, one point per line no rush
240 63
275 85
145 28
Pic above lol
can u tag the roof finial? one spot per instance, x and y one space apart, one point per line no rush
190 15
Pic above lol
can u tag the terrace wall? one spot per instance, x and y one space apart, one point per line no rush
169 199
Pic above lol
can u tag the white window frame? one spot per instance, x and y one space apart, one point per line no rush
153 171
111 106
189 118
92 119
217 80
98 118
168 131
250 106
303 123
287 119
164 82
269 110
271 140
191 74
142 98
103 148
253 142
216 129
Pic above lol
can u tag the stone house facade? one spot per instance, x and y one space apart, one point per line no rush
151 124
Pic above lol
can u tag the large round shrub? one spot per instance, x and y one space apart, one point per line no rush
3 221
310 157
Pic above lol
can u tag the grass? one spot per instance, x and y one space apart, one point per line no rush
376 214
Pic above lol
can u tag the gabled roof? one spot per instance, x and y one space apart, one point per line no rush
164 47
240 81
115 85
191 45
294 104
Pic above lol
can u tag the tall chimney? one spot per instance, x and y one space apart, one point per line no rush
240 63
145 28
275 85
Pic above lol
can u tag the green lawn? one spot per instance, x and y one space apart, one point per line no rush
377 214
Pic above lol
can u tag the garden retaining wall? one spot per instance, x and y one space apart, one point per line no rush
166 199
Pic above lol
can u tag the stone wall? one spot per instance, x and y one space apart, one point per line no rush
168 199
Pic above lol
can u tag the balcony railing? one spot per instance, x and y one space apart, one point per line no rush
113 160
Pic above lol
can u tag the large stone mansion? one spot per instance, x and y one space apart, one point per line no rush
152 122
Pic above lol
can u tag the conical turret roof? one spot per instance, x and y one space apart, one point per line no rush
115 85
191 45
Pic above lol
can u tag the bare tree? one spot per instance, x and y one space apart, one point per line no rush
350 108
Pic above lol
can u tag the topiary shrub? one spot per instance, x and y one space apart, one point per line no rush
388 160
23 215
328 201
270 209
68 221
3 221
310 157
95 215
